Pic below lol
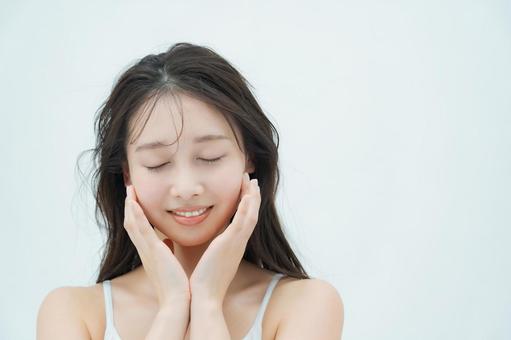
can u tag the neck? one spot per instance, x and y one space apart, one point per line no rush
189 256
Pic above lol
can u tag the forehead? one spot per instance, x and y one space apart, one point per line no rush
169 113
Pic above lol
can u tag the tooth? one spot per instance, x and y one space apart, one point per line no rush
191 213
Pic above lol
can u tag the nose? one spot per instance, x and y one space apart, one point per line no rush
185 185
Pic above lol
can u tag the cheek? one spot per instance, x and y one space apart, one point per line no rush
228 189
149 193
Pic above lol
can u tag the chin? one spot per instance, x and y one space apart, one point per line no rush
190 236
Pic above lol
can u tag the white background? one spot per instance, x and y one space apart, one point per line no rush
395 121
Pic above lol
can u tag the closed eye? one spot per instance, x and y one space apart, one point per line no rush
211 160
155 168
208 161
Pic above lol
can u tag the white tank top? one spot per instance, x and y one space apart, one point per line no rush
255 332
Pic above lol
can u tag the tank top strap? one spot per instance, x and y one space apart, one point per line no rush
110 330
266 298
107 294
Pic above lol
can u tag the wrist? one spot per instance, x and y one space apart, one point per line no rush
173 304
206 302
205 310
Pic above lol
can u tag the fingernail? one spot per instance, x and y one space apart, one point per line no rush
247 177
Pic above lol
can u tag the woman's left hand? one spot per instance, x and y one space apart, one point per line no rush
218 265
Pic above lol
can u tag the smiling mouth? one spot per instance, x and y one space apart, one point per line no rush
190 212
190 220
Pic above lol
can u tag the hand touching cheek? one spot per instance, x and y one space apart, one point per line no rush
219 263
162 267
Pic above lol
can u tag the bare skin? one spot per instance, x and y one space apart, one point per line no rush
135 305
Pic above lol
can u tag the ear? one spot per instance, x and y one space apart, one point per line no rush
249 166
126 174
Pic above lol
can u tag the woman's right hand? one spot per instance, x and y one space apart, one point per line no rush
160 264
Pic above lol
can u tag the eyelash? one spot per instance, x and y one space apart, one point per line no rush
208 161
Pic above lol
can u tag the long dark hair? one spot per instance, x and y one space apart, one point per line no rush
200 72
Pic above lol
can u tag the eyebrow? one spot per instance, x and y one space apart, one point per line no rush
160 144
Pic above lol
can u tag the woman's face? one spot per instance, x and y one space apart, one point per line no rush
184 176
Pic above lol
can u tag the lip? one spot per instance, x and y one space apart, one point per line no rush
192 208
193 219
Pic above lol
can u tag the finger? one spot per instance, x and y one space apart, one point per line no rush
131 226
145 228
246 184
147 246
142 243
250 215
251 186
131 193
254 197
253 214
246 215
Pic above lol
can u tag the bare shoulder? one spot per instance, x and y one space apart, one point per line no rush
293 291
309 308
60 314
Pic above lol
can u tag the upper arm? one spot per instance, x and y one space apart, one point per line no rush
59 316
314 310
